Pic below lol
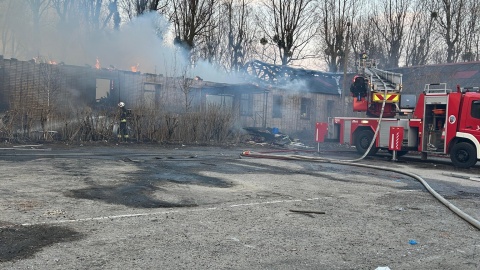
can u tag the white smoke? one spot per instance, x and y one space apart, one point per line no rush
145 43
139 43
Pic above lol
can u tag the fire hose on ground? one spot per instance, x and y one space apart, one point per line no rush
435 194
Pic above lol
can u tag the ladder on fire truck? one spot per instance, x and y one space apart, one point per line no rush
382 84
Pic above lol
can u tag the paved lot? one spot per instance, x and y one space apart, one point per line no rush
150 207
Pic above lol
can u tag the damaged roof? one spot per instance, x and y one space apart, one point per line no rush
227 87
296 79
465 74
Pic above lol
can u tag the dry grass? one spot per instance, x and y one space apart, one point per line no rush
145 125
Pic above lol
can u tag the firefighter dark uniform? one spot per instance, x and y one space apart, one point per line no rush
359 87
123 131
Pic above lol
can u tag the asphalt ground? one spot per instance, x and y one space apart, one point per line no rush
134 206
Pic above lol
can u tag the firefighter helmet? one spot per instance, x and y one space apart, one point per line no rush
121 104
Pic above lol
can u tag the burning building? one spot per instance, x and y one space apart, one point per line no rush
41 97
49 100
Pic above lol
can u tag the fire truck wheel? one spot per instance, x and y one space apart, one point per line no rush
463 155
362 142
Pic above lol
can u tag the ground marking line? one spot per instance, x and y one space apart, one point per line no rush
159 213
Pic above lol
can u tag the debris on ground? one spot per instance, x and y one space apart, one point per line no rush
272 136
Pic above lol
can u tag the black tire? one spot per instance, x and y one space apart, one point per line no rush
399 153
362 142
463 155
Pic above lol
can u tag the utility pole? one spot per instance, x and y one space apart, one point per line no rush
345 62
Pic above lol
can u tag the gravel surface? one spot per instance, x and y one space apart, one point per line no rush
135 206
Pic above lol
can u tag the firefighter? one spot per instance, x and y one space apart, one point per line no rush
363 59
123 131
358 87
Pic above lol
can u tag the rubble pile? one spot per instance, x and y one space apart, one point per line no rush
272 136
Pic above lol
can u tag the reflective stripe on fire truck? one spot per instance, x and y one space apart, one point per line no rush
471 138
390 97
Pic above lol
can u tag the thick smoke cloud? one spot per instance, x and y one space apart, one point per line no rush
140 42
145 43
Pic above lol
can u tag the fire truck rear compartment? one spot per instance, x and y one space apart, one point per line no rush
434 124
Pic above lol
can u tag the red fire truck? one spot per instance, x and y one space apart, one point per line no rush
441 121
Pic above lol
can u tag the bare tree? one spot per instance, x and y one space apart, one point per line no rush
389 22
208 44
363 39
38 9
49 90
134 8
471 31
419 36
142 6
290 24
185 85
449 16
128 8
336 19
235 34
93 12
91 15
87 14
191 19
64 10
10 21
95 15
113 13
475 44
